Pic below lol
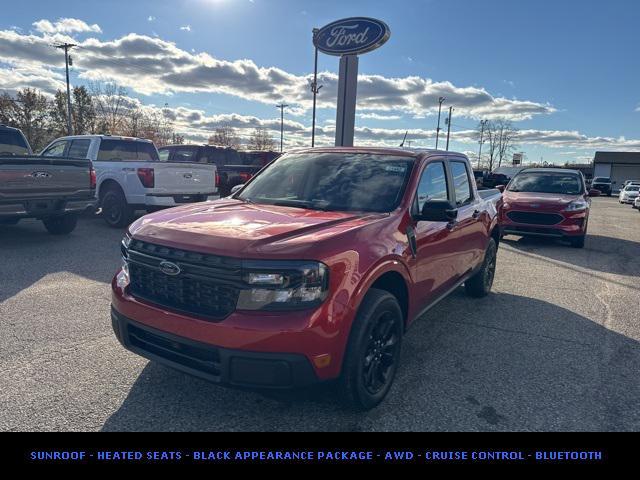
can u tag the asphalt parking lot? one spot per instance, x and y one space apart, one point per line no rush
554 347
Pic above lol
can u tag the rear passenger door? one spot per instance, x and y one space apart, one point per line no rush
468 235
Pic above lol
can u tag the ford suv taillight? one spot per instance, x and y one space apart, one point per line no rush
92 179
146 177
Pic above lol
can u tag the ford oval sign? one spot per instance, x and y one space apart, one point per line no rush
351 36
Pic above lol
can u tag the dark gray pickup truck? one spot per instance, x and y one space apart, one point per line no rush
55 190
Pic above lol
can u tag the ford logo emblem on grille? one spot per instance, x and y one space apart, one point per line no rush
169 268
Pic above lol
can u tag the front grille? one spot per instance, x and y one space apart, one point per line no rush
191 355
552 232
535 218
207 285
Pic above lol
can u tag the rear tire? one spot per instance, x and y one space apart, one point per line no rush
373 351
115 210
479 285
61 225
578 242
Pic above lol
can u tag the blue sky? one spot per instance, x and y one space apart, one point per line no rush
573 63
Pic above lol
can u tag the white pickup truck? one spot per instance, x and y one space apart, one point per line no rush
130 176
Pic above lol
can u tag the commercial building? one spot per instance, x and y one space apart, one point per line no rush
619 166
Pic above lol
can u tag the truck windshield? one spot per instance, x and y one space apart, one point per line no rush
601 179
12 143
332 181
112 150
543 182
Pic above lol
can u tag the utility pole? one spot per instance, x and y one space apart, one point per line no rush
66 47
449 126
440 100
282 106
314 89
482 124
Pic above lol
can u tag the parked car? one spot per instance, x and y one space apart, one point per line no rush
500 176
130 177
55 190
13 142
630 182
636 203
233 167
603 184
312 271
629 193
547 202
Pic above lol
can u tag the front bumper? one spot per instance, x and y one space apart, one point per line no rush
573 224
220 365
630 200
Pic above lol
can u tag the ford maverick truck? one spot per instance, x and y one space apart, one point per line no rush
311 272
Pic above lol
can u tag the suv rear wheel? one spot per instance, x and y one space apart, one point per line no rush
62 225
479 285
373 351
115 210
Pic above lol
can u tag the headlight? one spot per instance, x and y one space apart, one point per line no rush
283 285
577 205
122 279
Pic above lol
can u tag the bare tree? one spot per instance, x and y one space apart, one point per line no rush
225 136
110 103
261 140
499 136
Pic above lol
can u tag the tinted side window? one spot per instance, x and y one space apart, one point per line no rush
12 142
55 150
461 182
185 154
79 148
433 184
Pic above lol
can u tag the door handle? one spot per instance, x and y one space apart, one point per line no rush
476 214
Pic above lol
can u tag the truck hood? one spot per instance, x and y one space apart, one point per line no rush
538 201
234 228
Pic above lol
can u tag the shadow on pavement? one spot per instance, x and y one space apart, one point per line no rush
600 253
504 362
30 253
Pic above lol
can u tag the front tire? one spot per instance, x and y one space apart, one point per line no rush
479 285
373 351
115 210
61 225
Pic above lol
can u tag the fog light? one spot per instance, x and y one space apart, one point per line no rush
322 361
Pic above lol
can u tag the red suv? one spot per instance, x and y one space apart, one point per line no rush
547 202
311 272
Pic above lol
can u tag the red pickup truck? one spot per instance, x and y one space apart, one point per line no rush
312 271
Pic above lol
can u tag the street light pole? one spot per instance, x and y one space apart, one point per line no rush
314 89
449 126
282 106
440 100
482 124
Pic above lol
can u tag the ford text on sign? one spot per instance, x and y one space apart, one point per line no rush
351 36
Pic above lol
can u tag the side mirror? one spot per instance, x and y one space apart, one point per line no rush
500 188
594 193
438 211
235 188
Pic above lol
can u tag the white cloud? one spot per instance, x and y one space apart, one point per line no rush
378 116
65 25
186 28
151 18
150 65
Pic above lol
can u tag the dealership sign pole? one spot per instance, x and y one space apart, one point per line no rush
347 38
